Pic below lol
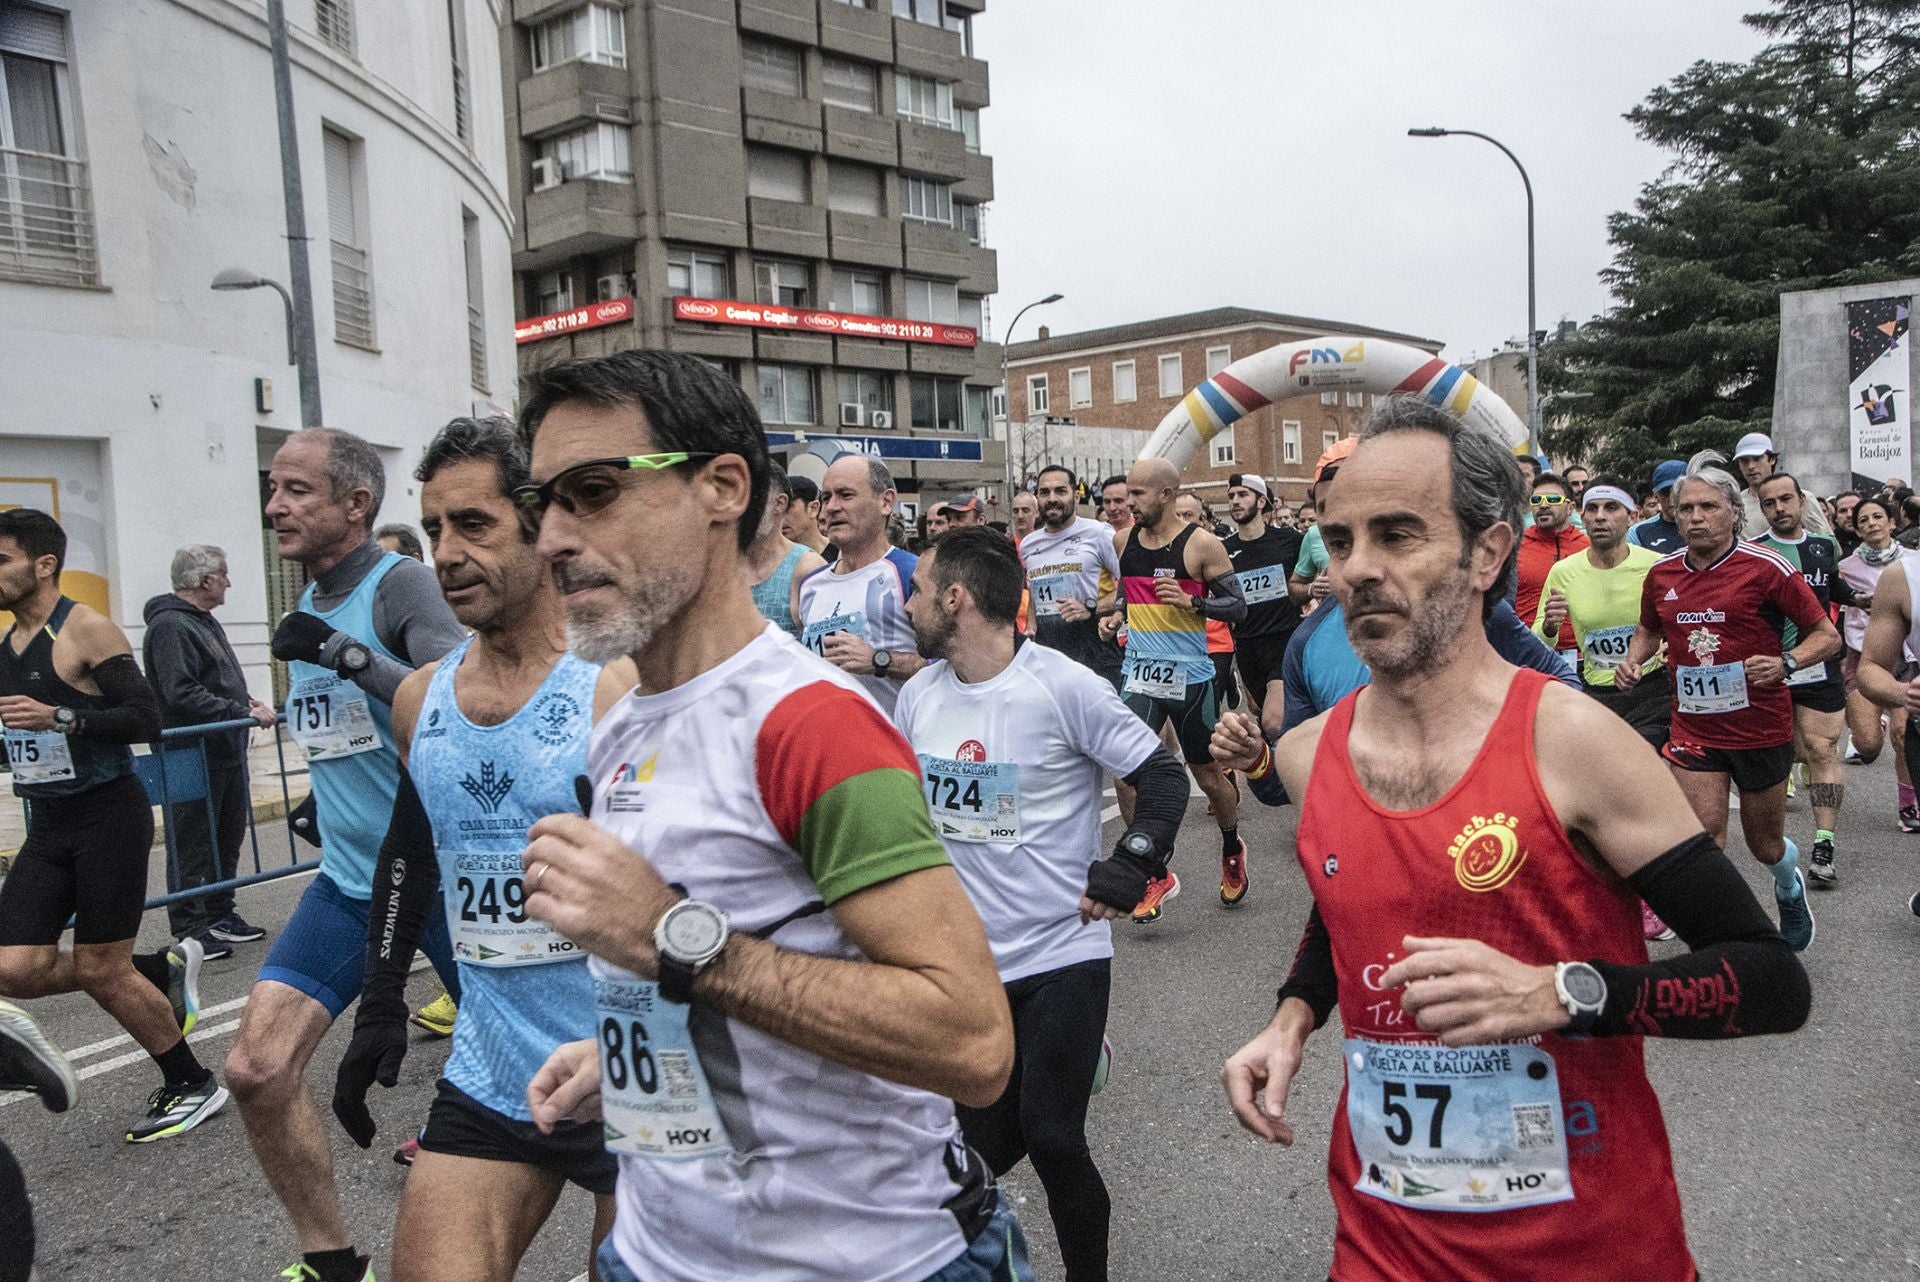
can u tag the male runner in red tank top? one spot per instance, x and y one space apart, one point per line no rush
1476 915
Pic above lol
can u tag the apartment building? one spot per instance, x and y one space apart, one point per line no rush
793 189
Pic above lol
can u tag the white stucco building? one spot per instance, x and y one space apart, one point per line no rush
139 156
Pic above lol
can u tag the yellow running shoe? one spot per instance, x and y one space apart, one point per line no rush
437 1016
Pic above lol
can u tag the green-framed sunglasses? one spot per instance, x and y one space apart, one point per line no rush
585 488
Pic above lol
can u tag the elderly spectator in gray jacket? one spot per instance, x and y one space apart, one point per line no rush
198 679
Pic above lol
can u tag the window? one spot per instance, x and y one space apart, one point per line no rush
1037 400
333 20
1079 388
999 402
861 292
1171 383
1290 442
1220 451
1329 398
978 399
46 219
552 292
932 300
598 152
857 4
344 160
1356 399
1218 358
782 284
931 12
1123 390
698 273
1328 440
457 39
849 84
777 175
476 312
853 189
970 126
935 402
786 394
867 389
973 312
924 100
591 33
924 200
776 68
966 220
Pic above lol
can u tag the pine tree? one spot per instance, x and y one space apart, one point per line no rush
1799 169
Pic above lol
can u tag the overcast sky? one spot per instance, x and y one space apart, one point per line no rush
1155 157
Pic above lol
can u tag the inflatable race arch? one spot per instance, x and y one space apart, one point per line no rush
1336 363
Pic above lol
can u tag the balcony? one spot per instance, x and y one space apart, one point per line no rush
861 33
933 150
928 50
580 216
46 220
794 20
572 93
935 249
781 119
976 183
861 135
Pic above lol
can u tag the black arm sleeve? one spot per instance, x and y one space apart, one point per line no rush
1160 802
1740 979
1228 602
133 714
1313 979
406 881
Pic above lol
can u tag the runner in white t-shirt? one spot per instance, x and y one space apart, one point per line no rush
853 614
791 988
1013 739
1073 576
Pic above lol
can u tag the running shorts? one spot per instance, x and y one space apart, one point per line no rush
85 858
461 1126
1829 695
1751 769
1648 707
1193 717
322 950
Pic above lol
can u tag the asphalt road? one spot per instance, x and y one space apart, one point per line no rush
1795 1155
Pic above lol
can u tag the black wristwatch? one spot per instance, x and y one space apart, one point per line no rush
688 937
882 662
352 659
65 720
1791 664
1139 845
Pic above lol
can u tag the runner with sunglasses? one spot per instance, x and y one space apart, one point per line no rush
853 614
1550 540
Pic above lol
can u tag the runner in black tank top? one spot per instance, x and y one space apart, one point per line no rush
91 828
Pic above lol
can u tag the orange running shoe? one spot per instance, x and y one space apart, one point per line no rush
1159 890
1233 876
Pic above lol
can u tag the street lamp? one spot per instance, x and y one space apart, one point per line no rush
1533 345
1006 391
233 278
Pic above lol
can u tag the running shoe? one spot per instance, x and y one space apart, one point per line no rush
29 1062
1913 903
1652 927
174 1110
1105 1066
183 982
404 1155
212 947
301 1271
1910 819
1159 890
236 929
1796 915
1854 758
1233 876
1820 863
1791 773
437 1016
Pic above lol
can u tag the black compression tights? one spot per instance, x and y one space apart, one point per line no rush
1059 1018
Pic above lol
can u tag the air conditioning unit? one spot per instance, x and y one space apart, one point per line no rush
546 174
882 418
853 414
608 288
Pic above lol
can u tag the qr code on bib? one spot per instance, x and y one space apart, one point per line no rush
1533 1125
676 1068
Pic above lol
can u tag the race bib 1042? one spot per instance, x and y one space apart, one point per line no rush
1156 678
1457 1128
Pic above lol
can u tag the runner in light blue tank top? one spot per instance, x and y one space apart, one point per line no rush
773 597
348 739
524 988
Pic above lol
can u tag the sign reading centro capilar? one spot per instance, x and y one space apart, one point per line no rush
592 316
722 311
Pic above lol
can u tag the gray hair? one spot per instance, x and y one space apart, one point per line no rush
1488 488
878 476
194 562
1703 467
462 439
352 464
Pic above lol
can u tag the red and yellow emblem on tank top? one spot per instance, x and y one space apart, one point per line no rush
1487 853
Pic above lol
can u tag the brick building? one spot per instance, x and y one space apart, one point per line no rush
793 189
1127 377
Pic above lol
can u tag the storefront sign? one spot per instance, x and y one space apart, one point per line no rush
592 316
800 320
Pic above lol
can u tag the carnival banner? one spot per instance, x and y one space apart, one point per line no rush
1878 415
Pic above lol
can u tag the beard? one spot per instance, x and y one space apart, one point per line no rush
932 639
600 633
1419 646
